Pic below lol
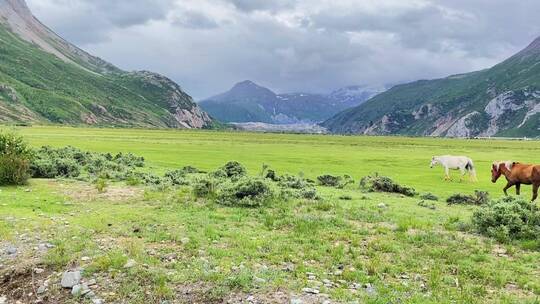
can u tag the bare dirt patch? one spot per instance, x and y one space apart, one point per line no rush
83 192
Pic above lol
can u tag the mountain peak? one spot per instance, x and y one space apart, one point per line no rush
246 84
534 46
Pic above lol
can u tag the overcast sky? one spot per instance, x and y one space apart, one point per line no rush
295 45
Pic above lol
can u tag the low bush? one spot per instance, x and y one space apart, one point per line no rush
204 187
101 185
329 180
335 181
176 177
245 192
508 219
292 182
479 198
15 158
345 197
271 175
377 183
429 197
234 170
71 162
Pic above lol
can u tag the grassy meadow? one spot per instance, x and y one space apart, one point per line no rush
348 247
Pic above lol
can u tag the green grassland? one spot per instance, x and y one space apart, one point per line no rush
408 253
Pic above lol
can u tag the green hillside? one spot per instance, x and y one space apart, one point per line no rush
501 101
37 86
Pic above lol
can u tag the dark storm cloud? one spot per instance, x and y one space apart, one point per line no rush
295 45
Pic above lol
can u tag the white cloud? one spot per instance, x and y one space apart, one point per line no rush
293 45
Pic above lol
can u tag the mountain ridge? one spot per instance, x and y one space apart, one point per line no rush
500 101
248 102
58 82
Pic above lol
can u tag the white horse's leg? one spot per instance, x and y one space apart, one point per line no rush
446 173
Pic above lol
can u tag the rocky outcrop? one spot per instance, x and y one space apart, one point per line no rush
461 128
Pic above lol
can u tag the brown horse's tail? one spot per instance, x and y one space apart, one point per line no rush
471 169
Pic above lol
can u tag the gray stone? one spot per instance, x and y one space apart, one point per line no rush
296 301
76 290
311 290
370 290
11 250
130 263
97 301
3 300
70 279
41 290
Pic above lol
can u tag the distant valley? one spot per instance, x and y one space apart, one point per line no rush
248 102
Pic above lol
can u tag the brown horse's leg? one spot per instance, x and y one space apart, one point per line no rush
518 188
535 192
508 186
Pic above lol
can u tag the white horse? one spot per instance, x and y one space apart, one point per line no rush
461 163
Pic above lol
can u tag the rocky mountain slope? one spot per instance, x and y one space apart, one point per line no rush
501 101
44 79
249 102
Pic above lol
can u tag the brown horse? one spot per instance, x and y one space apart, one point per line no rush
517 174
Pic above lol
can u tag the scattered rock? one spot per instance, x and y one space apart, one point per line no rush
296 301
85 259
70 279
370 290
3 300
39 270
41 290
130 263
97 301
185 241
259 280
382 206
311 290
11 250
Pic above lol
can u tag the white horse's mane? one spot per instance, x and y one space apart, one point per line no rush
507 163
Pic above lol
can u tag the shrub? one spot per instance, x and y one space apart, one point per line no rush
15 157
292 182
128 160
234 170
191 170
335 181
204 187
345 197
246 192
429 197
479 198
507 219
101 185
376 183
271 175
72 162
329 180
176 177
150 179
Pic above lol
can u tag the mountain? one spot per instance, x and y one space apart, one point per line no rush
501 101
353 96
249 102
45 79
